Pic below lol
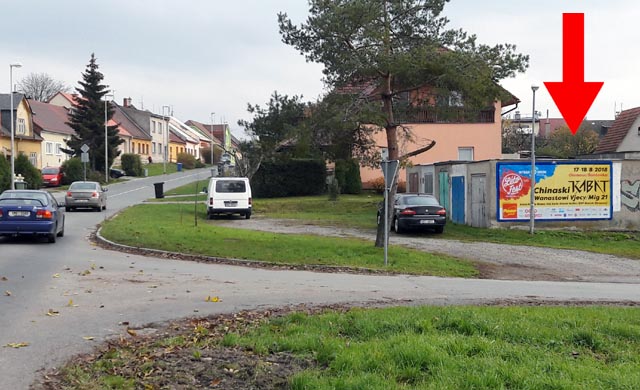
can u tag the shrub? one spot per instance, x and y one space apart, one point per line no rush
31 174
5 174
72 170
296 177
377 185
131 164
348 176
188 161
199 164
334 189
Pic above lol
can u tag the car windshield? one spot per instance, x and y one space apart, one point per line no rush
50 171
230 186
420 201
83 186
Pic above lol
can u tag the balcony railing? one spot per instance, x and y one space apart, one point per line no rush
433 114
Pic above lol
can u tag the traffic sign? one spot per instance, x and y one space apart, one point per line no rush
389 170
84 148
84 157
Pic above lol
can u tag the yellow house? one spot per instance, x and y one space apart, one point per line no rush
26 141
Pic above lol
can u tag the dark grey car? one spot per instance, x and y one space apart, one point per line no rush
416 211
86 194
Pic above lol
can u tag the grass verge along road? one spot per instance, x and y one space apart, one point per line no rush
443 348
171 227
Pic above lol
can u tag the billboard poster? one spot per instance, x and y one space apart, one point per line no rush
563 191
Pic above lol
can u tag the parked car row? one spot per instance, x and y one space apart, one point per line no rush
53 176
38 213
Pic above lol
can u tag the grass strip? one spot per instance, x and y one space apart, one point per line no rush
171 227
459 348
410 348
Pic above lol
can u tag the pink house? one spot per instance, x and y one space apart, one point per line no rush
459 134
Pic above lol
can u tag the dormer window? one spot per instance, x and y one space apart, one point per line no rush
21 128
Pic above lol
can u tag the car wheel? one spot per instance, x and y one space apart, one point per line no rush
69 209
247 215
52 237
439 229
397 227
61 232
98 209
104 206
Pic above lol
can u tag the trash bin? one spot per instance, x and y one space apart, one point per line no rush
146 172
20 185
214 171
159 190
179 165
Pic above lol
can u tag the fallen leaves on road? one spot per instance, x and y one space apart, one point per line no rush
52 313
71 304
7 293
85 273
212 299
132 332
4 278
17 345
88 338
55 275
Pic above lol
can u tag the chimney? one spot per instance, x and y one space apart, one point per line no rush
126 102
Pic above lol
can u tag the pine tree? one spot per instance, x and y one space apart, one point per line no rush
87 119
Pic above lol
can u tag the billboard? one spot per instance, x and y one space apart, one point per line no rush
563 191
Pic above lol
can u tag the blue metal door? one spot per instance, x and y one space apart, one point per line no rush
457 199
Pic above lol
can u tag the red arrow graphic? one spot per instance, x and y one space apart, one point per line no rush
573 95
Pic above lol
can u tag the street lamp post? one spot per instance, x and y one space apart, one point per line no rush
532 215
13 164
212 116
106 140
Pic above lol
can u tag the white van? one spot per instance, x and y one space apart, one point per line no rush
228 195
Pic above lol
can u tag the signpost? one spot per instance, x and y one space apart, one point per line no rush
389 170
84 158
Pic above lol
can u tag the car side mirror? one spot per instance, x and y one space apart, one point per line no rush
104 189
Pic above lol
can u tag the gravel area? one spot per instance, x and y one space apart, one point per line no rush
495 261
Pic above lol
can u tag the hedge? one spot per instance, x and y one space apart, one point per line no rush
296 177
348 175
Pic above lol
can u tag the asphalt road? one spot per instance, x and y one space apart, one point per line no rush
91 292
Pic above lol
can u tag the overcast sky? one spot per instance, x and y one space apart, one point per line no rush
204 56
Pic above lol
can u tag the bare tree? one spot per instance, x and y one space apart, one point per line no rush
41 86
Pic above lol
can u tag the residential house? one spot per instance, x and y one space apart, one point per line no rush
460 133
136 139
220 137
220 133
153 124
192 141
26 140
50 122
623 138
63 99
544 127
176 145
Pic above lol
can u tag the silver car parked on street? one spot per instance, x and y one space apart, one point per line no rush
86 194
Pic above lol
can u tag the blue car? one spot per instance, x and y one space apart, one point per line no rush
31 212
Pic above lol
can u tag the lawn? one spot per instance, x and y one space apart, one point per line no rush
171 227
421 348
359 211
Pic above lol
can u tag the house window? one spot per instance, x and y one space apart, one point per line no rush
153 128
58 149
22 129
428 183
33 158
48 148
638 130
153 146
454 99
465 154
160 128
